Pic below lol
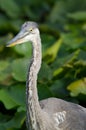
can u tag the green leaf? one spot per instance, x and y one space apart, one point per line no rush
3 76
24 49
82 56
77 87
47 40
2 127
7 100
45 72
3 65
44 92
58 71
20 69
58 89
4 118
15 122
73 41
17 94
13 96
57 12
4 70
80 15
65 62
51 53
10 7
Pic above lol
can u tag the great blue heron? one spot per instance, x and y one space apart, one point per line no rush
51 113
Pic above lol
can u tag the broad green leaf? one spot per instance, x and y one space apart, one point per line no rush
73 41
82 55
52 51
3 65
7 100
10 7
20 69
13 96
57 11
77 87
80 15
45 73
24 49
16 122
17 94
4 118
58 89
65 62
44 92
4 70
61 9
3 76
47 41
2 127
21 108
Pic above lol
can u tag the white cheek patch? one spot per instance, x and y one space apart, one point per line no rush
59 117
28 38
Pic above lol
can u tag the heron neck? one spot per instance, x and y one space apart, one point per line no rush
33 107
35 67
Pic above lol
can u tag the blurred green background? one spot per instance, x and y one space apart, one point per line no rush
62 24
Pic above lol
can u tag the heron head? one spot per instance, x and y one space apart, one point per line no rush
28 32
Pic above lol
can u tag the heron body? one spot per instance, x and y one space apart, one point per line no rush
51 113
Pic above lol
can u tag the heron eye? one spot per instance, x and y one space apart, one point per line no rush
30 29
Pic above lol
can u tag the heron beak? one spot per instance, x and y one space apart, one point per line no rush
18 39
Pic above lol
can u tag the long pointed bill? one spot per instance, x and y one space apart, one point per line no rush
18 39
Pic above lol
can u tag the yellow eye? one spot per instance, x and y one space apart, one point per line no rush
30 29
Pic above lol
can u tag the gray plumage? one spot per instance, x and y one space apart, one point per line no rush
51 113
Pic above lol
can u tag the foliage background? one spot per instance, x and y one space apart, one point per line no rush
63 73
